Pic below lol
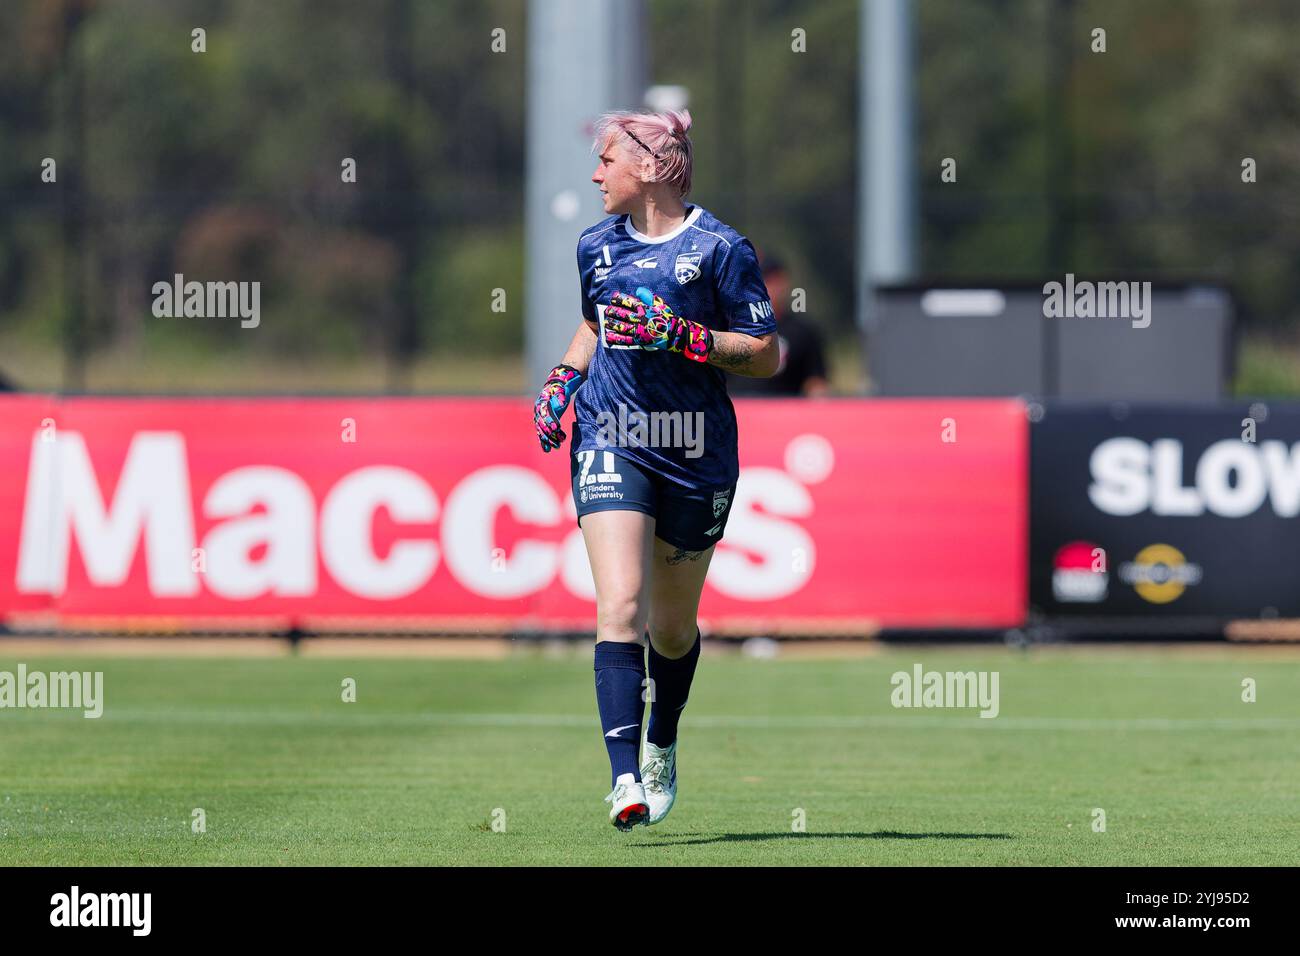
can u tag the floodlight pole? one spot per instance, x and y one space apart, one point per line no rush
584 58
887 159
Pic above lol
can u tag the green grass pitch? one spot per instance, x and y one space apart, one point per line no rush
433 753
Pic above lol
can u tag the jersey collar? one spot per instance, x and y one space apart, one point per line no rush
642 237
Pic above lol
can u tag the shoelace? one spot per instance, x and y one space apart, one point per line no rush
655 773
617 793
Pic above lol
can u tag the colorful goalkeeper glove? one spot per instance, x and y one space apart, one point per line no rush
650 323
551 403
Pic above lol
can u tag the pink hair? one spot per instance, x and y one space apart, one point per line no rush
663 136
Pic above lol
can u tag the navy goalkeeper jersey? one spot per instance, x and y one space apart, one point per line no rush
658 408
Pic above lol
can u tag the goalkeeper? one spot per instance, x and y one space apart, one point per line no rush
672 298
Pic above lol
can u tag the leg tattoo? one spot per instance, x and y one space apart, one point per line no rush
681 554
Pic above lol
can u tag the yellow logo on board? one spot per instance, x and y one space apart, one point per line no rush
1160 574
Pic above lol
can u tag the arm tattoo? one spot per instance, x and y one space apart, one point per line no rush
587 346
582 348
734 354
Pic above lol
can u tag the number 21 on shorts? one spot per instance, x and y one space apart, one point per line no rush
609 463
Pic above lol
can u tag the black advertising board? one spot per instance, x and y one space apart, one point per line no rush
1000 338
1163 511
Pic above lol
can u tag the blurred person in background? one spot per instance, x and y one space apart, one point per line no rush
672 299
802 368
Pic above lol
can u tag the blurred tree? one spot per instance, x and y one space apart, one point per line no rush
226 164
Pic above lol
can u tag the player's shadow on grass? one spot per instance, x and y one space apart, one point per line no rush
878 835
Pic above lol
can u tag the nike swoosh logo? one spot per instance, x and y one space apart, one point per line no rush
614 732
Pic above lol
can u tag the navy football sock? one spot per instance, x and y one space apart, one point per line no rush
671 680
620 676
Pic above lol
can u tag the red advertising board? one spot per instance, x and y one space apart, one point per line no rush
443 513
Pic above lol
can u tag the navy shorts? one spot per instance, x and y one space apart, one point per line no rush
690 520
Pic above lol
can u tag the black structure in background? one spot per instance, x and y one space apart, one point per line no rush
992 338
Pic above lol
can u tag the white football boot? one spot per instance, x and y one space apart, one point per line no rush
630 807
659 779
